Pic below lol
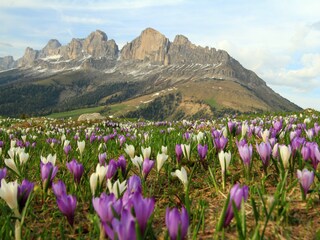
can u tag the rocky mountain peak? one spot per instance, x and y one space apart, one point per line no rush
51 48
150 45
30 55
97 35
52 44
98 46
181 40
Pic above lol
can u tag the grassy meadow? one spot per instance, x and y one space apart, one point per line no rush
238 177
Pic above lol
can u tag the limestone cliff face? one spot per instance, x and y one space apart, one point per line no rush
52 48
182 51
151 45
28 58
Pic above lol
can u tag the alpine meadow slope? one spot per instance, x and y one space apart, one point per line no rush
150 77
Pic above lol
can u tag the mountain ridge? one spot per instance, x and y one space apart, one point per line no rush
152 59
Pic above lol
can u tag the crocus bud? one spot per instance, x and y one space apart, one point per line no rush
245 152
224 159
202 151
161 158
146 167
76 169
146 152
177 222
237 193
178 150
306 178
285 153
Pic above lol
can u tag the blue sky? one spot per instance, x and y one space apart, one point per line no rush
279 40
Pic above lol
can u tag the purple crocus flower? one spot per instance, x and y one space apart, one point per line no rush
277 125
112 169
134 184
220 143
76 169
264 150
296 143
47 170
143 208
215 133
67 149
245 152
122 229
1 144
67 205
305 152
242 142
202 151
316 128
24 191
186 135
93 137
314 154
176 221
237 193
122 163
122 140
147 165
105 205
178 152
102 158
3 174
306 178
59 188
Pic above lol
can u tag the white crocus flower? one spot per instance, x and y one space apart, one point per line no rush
93 182
81 146
11 153
285 153
66 143
146 152
11 164
182 175
12 143
117 188
50 158
186 150
137 161
9 193
282 134
265 135
102 172
244 129
200 136
129 150
225 132
161 158
307 120
164 149
24 138
224 158
63 138
23 157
